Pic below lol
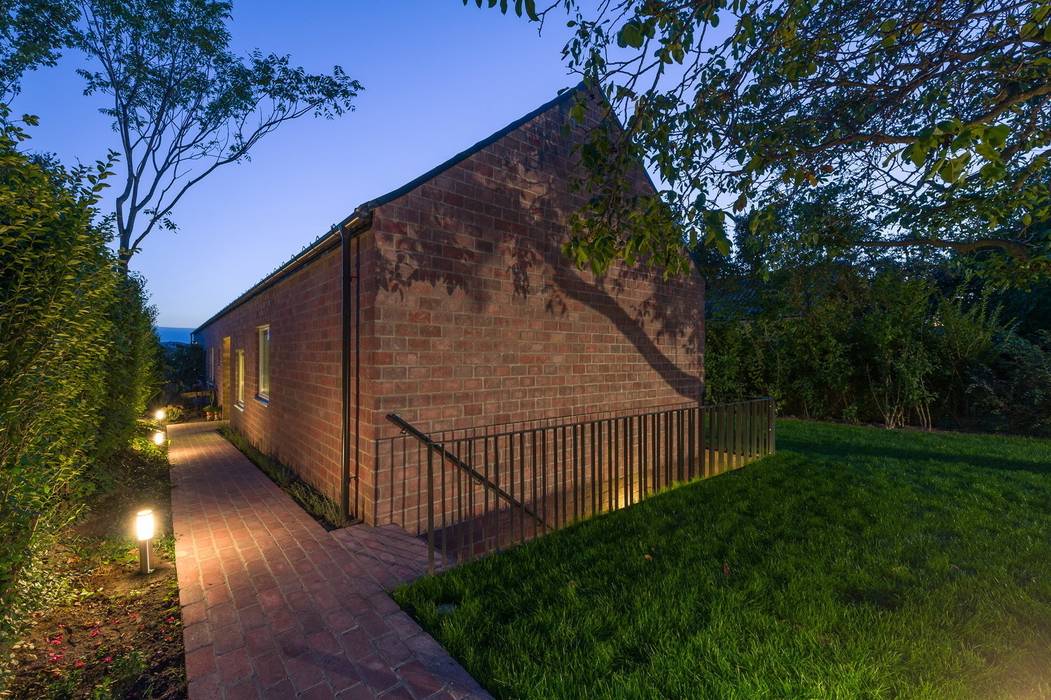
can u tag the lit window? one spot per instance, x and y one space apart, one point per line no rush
241 378
264 363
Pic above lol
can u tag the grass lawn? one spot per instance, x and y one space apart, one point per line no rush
856 562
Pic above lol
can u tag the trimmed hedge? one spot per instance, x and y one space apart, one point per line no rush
77 349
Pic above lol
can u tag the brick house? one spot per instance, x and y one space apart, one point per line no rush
448 301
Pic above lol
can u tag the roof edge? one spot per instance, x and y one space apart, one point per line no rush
364 211
467 153
299 260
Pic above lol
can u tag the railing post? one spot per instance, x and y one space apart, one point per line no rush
430 509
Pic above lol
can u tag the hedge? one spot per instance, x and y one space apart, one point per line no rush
77 350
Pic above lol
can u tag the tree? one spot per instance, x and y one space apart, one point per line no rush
31 35
935 114
183 104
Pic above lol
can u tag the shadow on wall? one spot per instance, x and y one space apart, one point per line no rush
535 207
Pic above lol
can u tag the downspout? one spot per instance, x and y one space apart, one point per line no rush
357 370
344 357
350 298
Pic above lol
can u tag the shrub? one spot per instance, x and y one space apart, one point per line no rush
183 369
76 348
132 367
888 347
1012 391
894 351
57 288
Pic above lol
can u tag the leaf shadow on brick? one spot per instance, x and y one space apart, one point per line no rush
497 221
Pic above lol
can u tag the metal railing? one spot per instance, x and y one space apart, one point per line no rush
475 491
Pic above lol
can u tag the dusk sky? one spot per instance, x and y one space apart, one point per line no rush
438 77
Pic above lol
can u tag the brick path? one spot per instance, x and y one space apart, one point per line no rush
273 605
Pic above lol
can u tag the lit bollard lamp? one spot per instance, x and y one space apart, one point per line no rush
144 533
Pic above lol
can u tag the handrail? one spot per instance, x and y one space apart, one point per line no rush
431 444
565 471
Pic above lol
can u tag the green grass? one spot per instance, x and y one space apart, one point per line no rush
856 562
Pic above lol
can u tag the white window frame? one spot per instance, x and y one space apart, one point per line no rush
263 340
240 401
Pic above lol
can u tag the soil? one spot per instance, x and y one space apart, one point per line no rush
110 631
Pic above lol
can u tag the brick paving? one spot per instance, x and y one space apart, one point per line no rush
273 605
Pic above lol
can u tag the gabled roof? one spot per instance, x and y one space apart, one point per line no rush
358 221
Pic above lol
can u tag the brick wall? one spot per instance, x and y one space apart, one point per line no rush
300 424
475 317
468 315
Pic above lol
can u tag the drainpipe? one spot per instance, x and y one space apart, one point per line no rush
350 322
344 357
357 370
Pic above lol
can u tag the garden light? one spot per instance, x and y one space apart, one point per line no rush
144 527
158 438
161 414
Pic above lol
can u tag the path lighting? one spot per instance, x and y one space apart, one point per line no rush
158 438
161 414
144 533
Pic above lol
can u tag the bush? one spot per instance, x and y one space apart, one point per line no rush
132 367
1012 392
888 347
76 348
183 366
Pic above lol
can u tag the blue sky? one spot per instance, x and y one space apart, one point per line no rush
438 77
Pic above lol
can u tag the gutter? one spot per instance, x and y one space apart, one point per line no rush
358 222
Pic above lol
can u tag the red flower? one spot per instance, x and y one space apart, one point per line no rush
57 641
170 620
79 663
107 659
95 632
54 657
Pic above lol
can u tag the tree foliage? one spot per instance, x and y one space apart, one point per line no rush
31 36
935 116
876 338
182 103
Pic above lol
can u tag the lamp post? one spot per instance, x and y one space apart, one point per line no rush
144 533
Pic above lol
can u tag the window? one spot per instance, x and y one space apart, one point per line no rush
264 363
240 378
211 366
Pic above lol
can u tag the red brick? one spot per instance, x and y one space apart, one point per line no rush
462 283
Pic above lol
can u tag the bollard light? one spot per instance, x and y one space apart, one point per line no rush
161 414
144 527
158 438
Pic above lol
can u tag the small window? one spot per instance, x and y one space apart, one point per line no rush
264 363
211 366
241 378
